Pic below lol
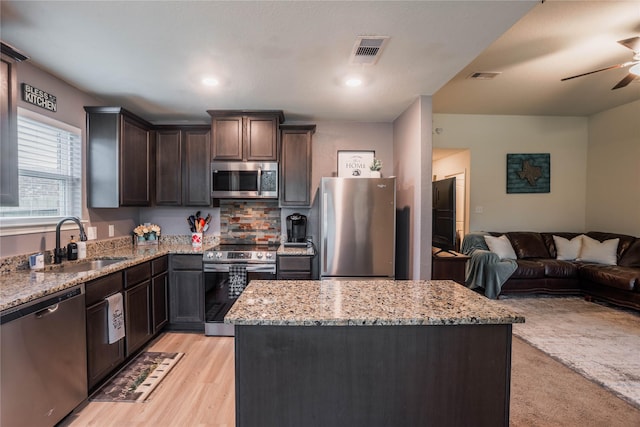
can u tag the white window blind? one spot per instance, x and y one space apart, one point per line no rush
49 170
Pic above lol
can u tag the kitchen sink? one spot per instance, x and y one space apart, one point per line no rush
94 264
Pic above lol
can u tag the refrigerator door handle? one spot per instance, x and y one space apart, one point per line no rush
324 232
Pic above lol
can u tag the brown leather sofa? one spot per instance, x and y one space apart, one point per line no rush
539 271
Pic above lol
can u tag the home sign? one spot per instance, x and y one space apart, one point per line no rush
38 97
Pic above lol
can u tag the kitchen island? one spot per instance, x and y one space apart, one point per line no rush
370 353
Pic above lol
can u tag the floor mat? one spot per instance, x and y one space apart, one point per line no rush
136 381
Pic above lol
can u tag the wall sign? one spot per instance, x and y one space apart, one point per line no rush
354 164
38 97
529 173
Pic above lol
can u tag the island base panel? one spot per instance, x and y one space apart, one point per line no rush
456 375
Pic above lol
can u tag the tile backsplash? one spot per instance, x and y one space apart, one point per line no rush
249 221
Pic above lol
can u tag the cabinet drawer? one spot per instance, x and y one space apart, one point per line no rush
159 265
137 274
97 290
186 262
294 263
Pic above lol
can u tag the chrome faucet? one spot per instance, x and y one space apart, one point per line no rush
58 252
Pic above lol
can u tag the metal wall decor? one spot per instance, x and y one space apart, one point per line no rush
529 173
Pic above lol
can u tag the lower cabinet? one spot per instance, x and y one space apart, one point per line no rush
102 357
137 302
186 293
144 288
160 293
294 267
137 306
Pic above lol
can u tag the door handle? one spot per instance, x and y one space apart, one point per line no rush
47 311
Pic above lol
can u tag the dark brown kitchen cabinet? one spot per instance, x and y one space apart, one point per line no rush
119 158
245 135
137 306
160 293
182 166
102 357
9 193
295 165
168 167
196 167
294 267
186 293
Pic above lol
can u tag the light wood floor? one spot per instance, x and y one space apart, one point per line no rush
199 390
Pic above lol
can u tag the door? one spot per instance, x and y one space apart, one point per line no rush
358 227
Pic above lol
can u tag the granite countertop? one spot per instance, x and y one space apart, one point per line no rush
23 286
363 302
296 250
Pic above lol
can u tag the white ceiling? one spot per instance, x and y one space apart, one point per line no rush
293 55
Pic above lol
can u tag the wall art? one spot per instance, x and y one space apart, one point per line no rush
355 164
529 173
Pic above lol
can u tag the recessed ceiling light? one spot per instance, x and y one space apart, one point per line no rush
210 81
353 82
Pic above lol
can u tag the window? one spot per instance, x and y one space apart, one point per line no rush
49 171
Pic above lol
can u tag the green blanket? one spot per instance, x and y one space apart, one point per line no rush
485 269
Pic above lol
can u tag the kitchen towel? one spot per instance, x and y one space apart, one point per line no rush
115 317
237 280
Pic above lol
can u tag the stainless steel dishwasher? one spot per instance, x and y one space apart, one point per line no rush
43 359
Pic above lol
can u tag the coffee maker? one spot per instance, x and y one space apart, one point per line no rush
297 228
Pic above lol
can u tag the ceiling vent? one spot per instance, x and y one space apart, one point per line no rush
484 75
367 49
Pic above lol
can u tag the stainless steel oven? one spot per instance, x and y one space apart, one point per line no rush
228 269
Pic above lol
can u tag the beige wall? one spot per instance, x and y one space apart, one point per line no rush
613 180
412 157
490 139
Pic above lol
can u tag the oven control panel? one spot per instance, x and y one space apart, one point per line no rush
238 256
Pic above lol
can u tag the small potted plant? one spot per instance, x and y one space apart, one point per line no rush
375 168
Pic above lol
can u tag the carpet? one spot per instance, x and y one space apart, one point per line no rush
600 342
136 381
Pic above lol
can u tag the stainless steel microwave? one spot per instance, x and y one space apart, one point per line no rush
240 180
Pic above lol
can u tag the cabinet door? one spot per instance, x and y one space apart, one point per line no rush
196 170
8 133
137 302
159 292
186 297
168 168
135 159
102 357
261 138
227 138
295 183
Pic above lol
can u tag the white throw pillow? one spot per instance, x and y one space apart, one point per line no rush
500 246
568 250
599 252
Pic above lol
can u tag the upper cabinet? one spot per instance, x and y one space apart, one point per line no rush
182 166
295 165
9 126
245 135
119 158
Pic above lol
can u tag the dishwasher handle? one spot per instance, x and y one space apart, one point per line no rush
49 310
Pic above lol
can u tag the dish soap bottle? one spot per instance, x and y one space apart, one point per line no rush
72 250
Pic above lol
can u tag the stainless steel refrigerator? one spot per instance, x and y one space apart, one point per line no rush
357 227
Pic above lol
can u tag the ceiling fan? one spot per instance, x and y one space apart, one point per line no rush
632 43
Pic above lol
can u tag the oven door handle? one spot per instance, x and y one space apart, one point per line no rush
261 268
217 268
